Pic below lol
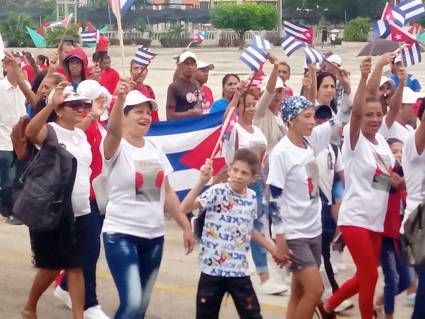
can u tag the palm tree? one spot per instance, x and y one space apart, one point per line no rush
14 32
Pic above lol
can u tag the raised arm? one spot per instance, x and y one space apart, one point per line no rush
264 102
420 135
36 130
396 99
31 97
190 202
313 90
115 123
358 103
375 77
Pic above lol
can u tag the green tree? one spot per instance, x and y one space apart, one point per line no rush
244 17
14 32
357 30
53 35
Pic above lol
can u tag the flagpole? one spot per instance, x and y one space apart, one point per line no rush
223 128
189 45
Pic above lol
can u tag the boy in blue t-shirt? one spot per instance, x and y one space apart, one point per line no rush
230 212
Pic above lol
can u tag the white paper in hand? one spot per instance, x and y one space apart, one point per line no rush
1 48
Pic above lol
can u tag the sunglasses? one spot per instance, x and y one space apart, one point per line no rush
77 105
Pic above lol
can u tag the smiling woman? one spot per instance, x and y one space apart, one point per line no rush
138 194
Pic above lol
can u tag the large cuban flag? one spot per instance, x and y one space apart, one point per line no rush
178 138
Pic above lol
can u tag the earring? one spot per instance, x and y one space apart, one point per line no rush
60 116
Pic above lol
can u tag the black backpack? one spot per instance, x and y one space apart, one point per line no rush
45 187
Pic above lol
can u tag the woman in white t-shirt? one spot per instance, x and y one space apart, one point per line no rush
369 161
65 246
414 173
138 194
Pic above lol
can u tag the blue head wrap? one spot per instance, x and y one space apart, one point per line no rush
292 106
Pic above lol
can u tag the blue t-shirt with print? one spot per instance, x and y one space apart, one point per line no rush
412 82
226 235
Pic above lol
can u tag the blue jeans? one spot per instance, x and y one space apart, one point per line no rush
134 263
7 174
93 251
259 253
419 310
396 272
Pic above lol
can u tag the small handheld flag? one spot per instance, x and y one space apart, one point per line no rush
411 54
260 43
412 10
89 38
254 58
297 31
200 37
143 56
312 55
291 44
399 35
381 29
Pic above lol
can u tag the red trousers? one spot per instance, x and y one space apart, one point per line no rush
364 246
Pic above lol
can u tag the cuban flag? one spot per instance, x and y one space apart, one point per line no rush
193 141
200 37
411 54
143 56
298 31
381 29
254 58
120 7
312 56
260 43
411 10
399 35
63 23
89 38
291 44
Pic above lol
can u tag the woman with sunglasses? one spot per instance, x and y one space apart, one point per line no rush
63 247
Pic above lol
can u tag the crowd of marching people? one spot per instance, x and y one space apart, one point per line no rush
304 175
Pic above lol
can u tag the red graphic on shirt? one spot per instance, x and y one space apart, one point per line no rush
138 180
378 172
159 179
310 185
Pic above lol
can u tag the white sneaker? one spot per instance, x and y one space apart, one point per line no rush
343 306
271 288
63 296
95 312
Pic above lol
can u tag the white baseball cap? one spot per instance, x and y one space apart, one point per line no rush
89 88
385 79
136 97
335 59
70 95
202 64
186 55
409 96
279 83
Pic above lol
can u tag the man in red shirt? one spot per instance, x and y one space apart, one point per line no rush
109 77
201 76
138 74
102 48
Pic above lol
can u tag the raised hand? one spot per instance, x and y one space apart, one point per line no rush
206 171
98 106
366 67
273 59
386 58
58 95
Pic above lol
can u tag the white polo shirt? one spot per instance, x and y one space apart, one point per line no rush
12 107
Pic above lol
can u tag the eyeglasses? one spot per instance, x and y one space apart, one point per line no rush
77 105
